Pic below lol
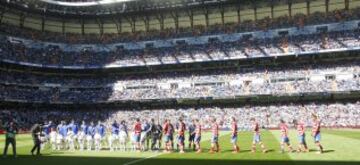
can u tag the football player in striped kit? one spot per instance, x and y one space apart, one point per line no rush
284 129
257 138
234 135
316 132
197 135
181 135
300 128
215 147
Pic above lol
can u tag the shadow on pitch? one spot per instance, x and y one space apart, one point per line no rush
249 151
325 151
328 151
68 160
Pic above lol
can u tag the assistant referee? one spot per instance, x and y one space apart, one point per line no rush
11 131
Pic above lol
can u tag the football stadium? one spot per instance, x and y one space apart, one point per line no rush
180 82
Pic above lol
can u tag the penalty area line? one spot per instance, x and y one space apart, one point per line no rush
142 159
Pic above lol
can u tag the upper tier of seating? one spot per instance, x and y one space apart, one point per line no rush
242 46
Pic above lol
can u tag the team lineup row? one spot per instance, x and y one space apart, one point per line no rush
149 135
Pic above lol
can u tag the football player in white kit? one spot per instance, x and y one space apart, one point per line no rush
75 129
114 137
53 139
90 136
99 136
144 135
62 132
82 135
70 139
123 135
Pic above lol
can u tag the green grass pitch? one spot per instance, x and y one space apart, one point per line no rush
341 147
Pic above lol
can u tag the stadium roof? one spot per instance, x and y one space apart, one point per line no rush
79 3
84 8
104 7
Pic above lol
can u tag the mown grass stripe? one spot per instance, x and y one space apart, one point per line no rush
337 148
345 133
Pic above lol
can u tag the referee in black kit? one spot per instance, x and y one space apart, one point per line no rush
36 133
11 131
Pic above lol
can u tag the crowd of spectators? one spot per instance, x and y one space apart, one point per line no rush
331 115
256 72
297 20
294 79
182 53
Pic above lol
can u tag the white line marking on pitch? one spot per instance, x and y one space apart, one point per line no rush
143 159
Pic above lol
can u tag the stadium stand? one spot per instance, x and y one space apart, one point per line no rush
75 65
